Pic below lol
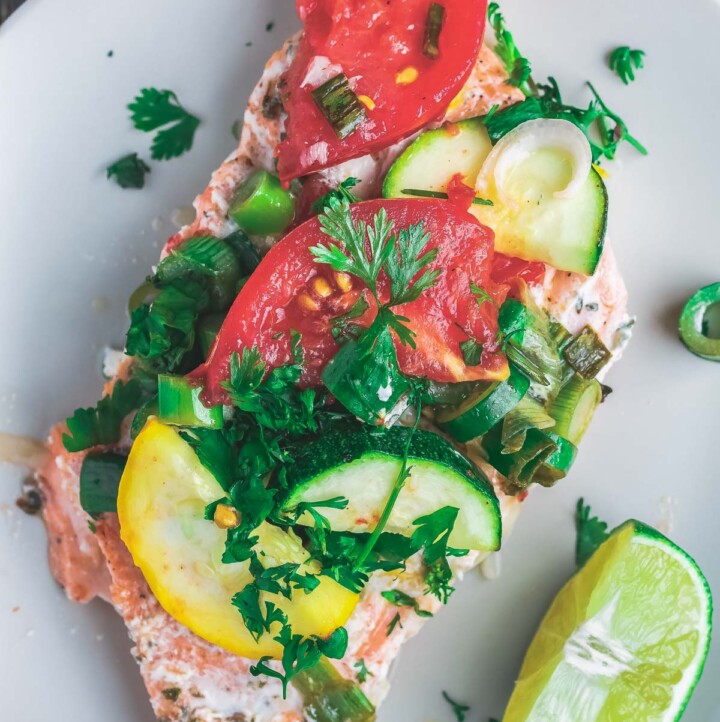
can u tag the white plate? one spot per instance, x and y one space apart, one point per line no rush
69 237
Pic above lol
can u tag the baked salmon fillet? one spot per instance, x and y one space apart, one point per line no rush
187 677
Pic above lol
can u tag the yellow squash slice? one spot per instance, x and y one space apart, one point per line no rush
163 494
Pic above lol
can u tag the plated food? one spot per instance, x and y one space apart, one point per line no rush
330 408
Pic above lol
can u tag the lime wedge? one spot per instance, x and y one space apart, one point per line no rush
625 640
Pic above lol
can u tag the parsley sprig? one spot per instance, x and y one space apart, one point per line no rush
623 61
365 250
129 171
591 533
603 127
161 110
458 709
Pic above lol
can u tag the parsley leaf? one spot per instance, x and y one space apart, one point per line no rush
394 622
101 424
402 599
459 710
362 671
342 193
472 352
516 64
481 295
432 535
129 171
157 109
342 328
624 61
404 265
591 533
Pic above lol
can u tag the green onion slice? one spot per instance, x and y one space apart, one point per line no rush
179 404
586 354
99 481
261 206
329 697
339 104
695 330
433 28
574 407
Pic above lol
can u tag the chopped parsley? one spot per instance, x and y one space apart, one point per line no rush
161 111
129 171
472 352
591 533
394 622
624 61
402 599
101 425
604 129
362 671
342 193
458 709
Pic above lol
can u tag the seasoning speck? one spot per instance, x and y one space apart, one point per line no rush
248 43
111 53
171 693
270 26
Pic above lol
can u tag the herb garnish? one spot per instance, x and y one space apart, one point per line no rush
458 709
394 622
591 533
362 671
342 193
624 61
129 171
155 109
604 129
402 599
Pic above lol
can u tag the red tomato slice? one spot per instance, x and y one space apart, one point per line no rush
373 42
290 291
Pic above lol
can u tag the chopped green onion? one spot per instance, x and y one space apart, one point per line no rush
574 407
560 335
179 404
329 697
99 481
261 206
433 27
420 193
696 330
339 104
586 354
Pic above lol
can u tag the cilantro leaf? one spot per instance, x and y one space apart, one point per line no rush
458 709
101 424
362 671
155 109
342 193
481 295
402 599
591 533
335 645
624 61
129 171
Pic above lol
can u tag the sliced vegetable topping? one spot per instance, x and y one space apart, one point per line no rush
293 290
404 58
161 505
586 354
574 407
99 481
340 464
695 330
261 206
179 404
340 105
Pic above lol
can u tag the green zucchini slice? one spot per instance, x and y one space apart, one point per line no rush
483 409
362 466
431 161
693 323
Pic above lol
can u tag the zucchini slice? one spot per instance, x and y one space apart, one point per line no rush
431 161
484 408
567 233
362 466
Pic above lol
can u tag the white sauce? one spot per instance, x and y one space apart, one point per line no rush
320 70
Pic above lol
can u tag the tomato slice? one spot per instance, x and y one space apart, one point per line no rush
290 291
378 45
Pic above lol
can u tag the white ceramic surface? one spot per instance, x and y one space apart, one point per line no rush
72 246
